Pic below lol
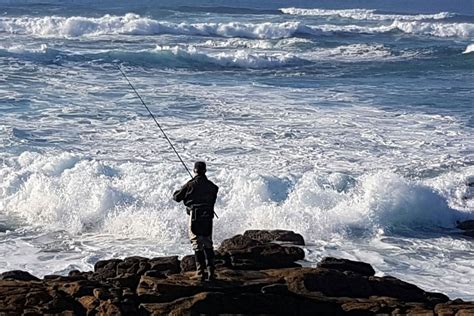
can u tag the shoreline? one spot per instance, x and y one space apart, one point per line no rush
257 273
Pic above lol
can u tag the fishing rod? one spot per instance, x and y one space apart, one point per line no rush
157 124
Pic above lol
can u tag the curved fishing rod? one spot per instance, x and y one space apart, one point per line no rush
153 117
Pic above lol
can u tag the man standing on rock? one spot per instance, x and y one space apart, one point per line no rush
199 195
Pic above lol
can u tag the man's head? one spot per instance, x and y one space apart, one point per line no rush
199 167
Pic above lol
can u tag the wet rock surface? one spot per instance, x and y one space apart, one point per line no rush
467 227
254 276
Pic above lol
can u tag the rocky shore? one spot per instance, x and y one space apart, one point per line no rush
258 273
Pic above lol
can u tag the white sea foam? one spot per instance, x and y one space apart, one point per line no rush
364 14
255 43
136 25
465 30
239 58
354 52
469 49
67 192
22 49
133 24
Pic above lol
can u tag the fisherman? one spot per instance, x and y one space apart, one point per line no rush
199 195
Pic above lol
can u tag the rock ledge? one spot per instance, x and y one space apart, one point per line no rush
255 276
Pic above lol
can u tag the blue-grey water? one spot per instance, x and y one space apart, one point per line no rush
351 122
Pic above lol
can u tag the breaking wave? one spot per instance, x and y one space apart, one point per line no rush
203 56
133 24
75 194
238 58
465 30
469 49
365 14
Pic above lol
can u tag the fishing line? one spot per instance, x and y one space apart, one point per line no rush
157 124
156 121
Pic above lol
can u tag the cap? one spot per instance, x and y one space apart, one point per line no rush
200 166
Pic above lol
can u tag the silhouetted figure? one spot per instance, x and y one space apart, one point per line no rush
199 195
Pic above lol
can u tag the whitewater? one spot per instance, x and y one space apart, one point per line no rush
353 126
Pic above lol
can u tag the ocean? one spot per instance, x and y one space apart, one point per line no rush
350 122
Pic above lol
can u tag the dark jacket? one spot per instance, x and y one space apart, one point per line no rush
199 195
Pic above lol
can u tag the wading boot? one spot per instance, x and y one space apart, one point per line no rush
211 276
200 265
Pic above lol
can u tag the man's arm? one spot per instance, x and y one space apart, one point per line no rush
215 193
179 195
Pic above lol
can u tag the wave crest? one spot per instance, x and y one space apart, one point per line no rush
465 30
76 194
469 49
134 24
364 14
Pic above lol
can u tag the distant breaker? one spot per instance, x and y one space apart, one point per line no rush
469 49
133 24
365 14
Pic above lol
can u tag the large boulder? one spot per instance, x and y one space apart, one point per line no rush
243 252
188 263
347 265
104 269
18 275
133 265
265 256
275 235
334 283
238 242
169 265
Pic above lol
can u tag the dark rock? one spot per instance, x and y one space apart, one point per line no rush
363 308
436 298
278 289
455 308
133 265
55 277
63 304
36 298
188 263
331 283
393 287
156 274
238 242
90 303
265 256
109 308
216 303
127 267
101 294
169 264
18 275
468 233
106 268
129 280
466 225
253 277
266 236
74 273
347 265
78 288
